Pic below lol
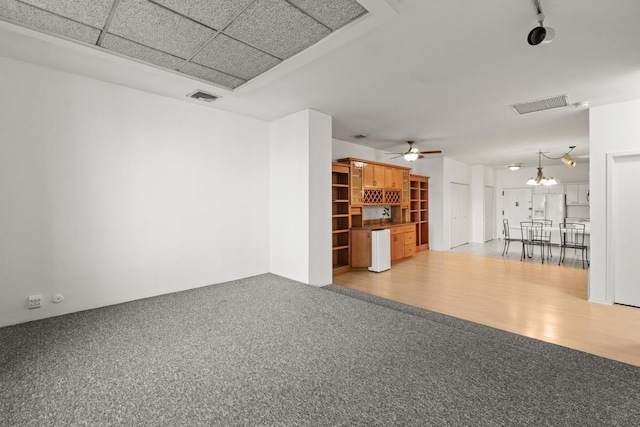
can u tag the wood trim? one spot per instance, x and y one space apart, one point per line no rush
353 159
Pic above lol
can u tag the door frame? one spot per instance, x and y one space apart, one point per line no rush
499 224
610 225
492 206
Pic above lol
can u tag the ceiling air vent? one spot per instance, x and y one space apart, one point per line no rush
541 104
203 96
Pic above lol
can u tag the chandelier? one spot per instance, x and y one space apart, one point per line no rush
540 179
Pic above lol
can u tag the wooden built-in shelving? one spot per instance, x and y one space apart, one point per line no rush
419 209
340 217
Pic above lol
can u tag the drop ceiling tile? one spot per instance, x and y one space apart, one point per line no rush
151 25
334 14
233 57
45 21
143 53
90 12
215 13
277 28
212 76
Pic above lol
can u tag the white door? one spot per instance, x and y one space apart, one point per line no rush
489 217
625 197
459 221
516 206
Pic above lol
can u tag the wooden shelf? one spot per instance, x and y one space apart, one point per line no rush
341 218
337 248
419 212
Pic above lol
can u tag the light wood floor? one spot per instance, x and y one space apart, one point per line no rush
543 301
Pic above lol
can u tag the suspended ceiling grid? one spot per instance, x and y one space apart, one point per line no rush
225 42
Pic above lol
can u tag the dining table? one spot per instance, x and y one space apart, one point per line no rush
554 231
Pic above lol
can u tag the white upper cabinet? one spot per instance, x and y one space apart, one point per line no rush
577 194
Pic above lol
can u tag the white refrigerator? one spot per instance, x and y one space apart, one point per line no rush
553 207
380 250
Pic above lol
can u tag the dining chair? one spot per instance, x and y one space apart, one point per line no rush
546 233
572 237
507 237
532 235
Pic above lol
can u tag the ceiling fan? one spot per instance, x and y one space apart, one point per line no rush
414 153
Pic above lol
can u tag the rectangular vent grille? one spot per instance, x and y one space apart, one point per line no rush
203 96
541 104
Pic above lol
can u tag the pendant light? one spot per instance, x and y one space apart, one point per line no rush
540 179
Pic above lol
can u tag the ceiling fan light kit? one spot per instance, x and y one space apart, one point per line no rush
413 153
410 157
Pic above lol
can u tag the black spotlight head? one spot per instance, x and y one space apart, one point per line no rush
536 36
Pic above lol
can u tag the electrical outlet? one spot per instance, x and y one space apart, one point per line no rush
35 301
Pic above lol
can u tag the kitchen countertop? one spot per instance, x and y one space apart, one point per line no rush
382 226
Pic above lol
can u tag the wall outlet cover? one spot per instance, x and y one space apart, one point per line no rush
35 301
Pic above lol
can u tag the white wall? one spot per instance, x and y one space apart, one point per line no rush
109 194
481 177
613 130
300 191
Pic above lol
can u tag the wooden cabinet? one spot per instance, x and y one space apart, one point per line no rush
393 178
356 185
406 186
373 175
378 184
577 194
340 217
419 210
403 242
356 182
361 253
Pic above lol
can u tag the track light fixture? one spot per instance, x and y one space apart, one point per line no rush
565 158
568 161
540 34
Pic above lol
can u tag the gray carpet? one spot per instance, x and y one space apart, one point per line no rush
270 351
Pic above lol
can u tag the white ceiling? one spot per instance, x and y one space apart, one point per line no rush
441 72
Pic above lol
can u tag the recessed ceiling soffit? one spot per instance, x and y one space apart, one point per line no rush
225 42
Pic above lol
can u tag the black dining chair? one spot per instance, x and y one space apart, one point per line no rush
572 237
546 233
507 237
532 235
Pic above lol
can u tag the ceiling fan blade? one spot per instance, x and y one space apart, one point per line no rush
430 152
399 154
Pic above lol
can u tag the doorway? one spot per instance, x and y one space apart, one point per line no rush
516 205
489 216
623 222
459 233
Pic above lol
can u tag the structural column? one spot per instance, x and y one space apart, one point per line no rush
300 197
